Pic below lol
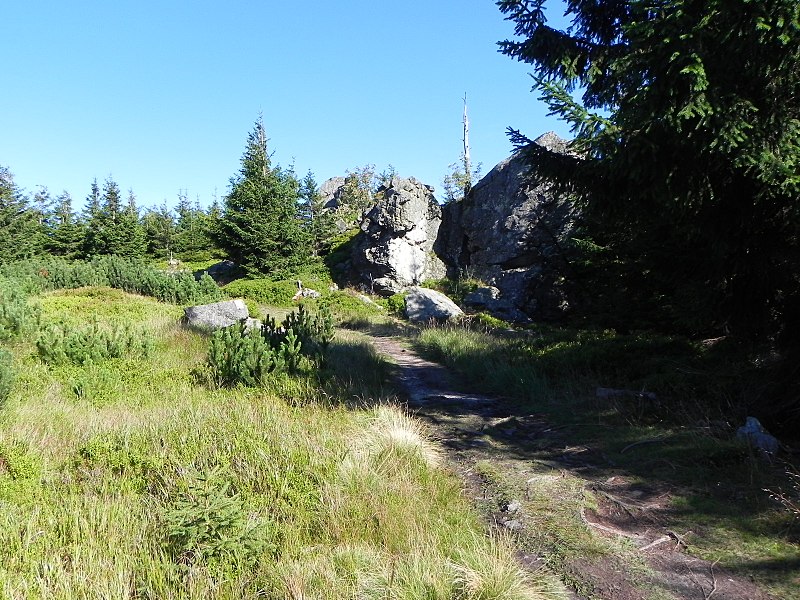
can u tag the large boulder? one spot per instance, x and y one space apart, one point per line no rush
216 315
488 299
423 305
510 231
395 249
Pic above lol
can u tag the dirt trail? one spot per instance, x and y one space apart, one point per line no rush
475 429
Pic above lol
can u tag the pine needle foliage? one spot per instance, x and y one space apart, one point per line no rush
686 157
6 375
62 344
131 275
260 228
238 355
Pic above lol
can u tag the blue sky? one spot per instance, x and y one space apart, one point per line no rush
161 95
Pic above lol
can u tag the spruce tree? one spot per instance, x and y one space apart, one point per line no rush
112 228
318 221
65 235
259 228
686 160
130 237
92 243
159 227
21 230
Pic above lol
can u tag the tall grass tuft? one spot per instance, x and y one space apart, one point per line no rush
6 375
488 570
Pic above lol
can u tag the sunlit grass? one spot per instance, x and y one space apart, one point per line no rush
106 468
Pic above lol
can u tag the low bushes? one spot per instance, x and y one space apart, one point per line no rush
63 344
130 275
240 356
17 316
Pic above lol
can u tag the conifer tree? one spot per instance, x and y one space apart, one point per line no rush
21 231
317 220
159 227
686 160
259 228
65 236
112 229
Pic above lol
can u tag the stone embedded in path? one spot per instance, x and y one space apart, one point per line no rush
423 304
216 315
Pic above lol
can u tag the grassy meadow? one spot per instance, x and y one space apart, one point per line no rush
130 477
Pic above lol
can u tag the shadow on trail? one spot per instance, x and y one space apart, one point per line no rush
646 477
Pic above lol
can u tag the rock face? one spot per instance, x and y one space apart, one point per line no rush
510 231
395 249
331 191
424 305
216 315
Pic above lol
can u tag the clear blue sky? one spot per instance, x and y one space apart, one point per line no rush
161 95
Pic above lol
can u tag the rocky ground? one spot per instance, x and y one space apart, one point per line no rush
476 430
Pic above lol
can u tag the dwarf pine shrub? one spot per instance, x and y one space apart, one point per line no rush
64 344
17 316
131 275
238 355
315 331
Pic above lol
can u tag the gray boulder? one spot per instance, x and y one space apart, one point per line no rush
395 249
223 272
488 298
423 304
216 315
753 433
510 231
331 192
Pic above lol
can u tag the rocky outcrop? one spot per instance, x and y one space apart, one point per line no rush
395 249
423 305
510 232
331 192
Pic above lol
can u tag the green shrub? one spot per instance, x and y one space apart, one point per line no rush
263 291
456 289
253 308
237 355
17 316
63 344
315 331
487 321
240 356
6 375
396 304
17 462
131 275
340 249
276 292
208 523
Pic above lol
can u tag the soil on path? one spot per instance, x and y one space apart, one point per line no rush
474 429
